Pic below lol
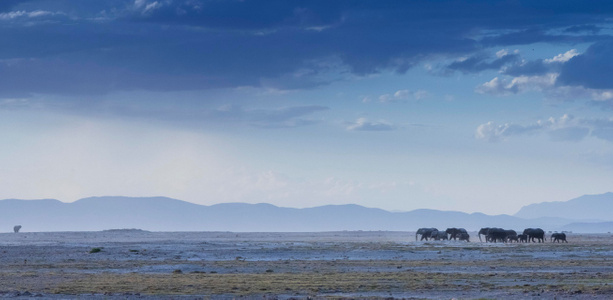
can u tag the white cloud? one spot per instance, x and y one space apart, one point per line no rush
421 94
386 98
565 128
502 53
17 14
400 95
362 124
146 7
547 84
563 57
520 84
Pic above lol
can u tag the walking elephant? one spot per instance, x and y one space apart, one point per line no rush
497 235
16 228
464 236
483 231
493 234
535 233
425 233
511 235
455 233
558 237
523 238
439 235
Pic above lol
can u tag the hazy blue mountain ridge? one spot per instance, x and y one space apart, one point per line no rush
590 208
166 214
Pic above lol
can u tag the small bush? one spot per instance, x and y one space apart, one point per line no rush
95 250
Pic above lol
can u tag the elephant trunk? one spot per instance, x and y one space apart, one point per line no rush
415 236
480 238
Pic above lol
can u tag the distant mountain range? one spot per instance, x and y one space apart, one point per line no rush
166 214
587 208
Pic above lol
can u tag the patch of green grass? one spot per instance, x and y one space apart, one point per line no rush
95 250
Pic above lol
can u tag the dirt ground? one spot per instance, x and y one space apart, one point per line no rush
134 264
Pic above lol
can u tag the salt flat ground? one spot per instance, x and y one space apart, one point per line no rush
134 264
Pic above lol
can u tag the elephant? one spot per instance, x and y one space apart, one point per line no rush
16 228
558 237
439 235
523 238
513 238
455 232
464 237
496 235
493 234
511 235
535 233
425 233
483 231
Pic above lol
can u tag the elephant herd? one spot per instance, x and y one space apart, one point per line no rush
449 234
491 234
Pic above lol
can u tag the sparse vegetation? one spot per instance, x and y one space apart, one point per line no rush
319 269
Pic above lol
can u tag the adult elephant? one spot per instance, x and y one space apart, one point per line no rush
497 235
439 235
535 233
455 233
425 233
558 237
483 231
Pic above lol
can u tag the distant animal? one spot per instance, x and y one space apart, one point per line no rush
511 235
464 237
535 233
523 238
493 234
439 235
454 233
497 235
483 231
514 238
425 233
558 237
16 228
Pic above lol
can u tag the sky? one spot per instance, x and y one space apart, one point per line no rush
474 106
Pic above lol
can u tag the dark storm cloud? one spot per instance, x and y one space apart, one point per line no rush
592 69
239 15
96 47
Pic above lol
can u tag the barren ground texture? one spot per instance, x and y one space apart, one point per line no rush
135 264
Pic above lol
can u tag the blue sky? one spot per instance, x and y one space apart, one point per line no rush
455 105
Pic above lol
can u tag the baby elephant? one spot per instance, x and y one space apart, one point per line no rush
16 228
558 237
464 237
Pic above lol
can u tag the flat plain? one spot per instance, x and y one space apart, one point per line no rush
136 264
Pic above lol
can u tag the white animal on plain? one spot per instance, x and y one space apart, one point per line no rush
16 228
